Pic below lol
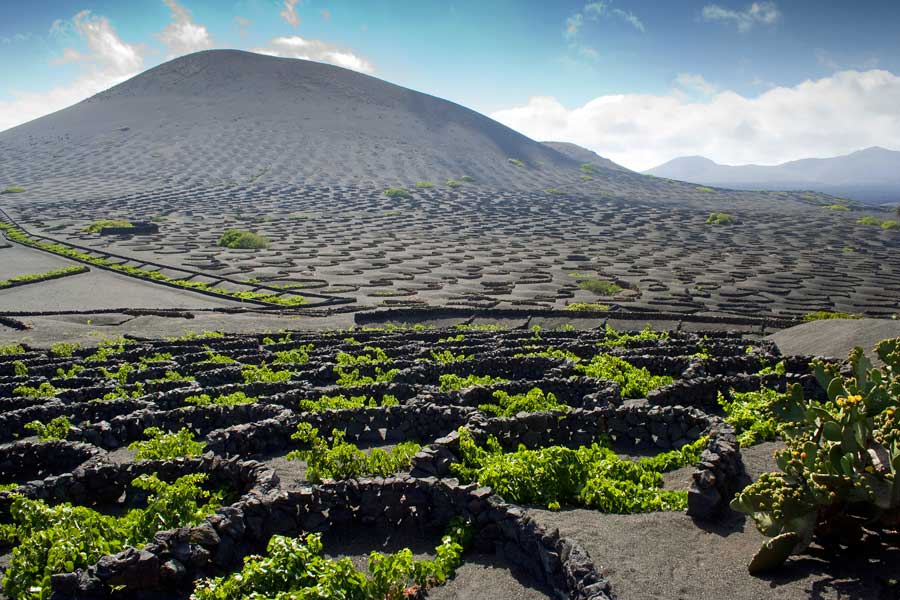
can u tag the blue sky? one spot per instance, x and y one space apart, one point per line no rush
550 69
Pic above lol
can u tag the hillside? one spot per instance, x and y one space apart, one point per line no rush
226 117
871 175
584 156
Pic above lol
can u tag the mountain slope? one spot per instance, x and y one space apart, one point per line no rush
584 156
227 116
870 175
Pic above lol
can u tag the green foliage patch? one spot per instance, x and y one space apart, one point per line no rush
295 569
720 218
341 402
163 445
635 382
397 192
600 287
591 476
343 460
750 413
98 226
57 429
509 405
450 381
232 399
63 538
37 277
247 240
824 315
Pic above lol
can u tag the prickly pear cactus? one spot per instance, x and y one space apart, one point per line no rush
839 470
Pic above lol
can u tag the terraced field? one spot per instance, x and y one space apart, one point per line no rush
478 248
398 417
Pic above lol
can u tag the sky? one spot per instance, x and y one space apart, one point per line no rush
637 81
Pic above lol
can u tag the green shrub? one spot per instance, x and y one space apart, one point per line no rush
36 277
750 413
450 382
63 350
423 185
342 402
614 339
824 315
232 399
635 382
63 538
45 390
12 350
163 445
588 169
13 189
97 226
554 191
264 374
294 356
480 327
516 162
343 460
591 476
535 400
600 288
56 429
453 183
397 192
720 218
295 568
551 352
20 369
587 307
467 179
705 190
447 357
237 238
837 207
838 471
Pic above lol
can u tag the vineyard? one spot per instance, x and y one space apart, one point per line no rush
217 466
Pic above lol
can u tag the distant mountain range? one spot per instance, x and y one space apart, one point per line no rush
871 175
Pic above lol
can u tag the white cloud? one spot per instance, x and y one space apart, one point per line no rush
758 13
289 13
695 82
318 50
111 54
109 62
834 115
597 10
183 35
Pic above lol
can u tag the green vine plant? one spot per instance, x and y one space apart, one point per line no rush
635 382
44 390
343 460
549 352
163 445
838 474
295 569
535 400
264 374
589 476
614 339
294 356
750 413
450 382
63 538
232 399
446 357
12 350
342 402
56 429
